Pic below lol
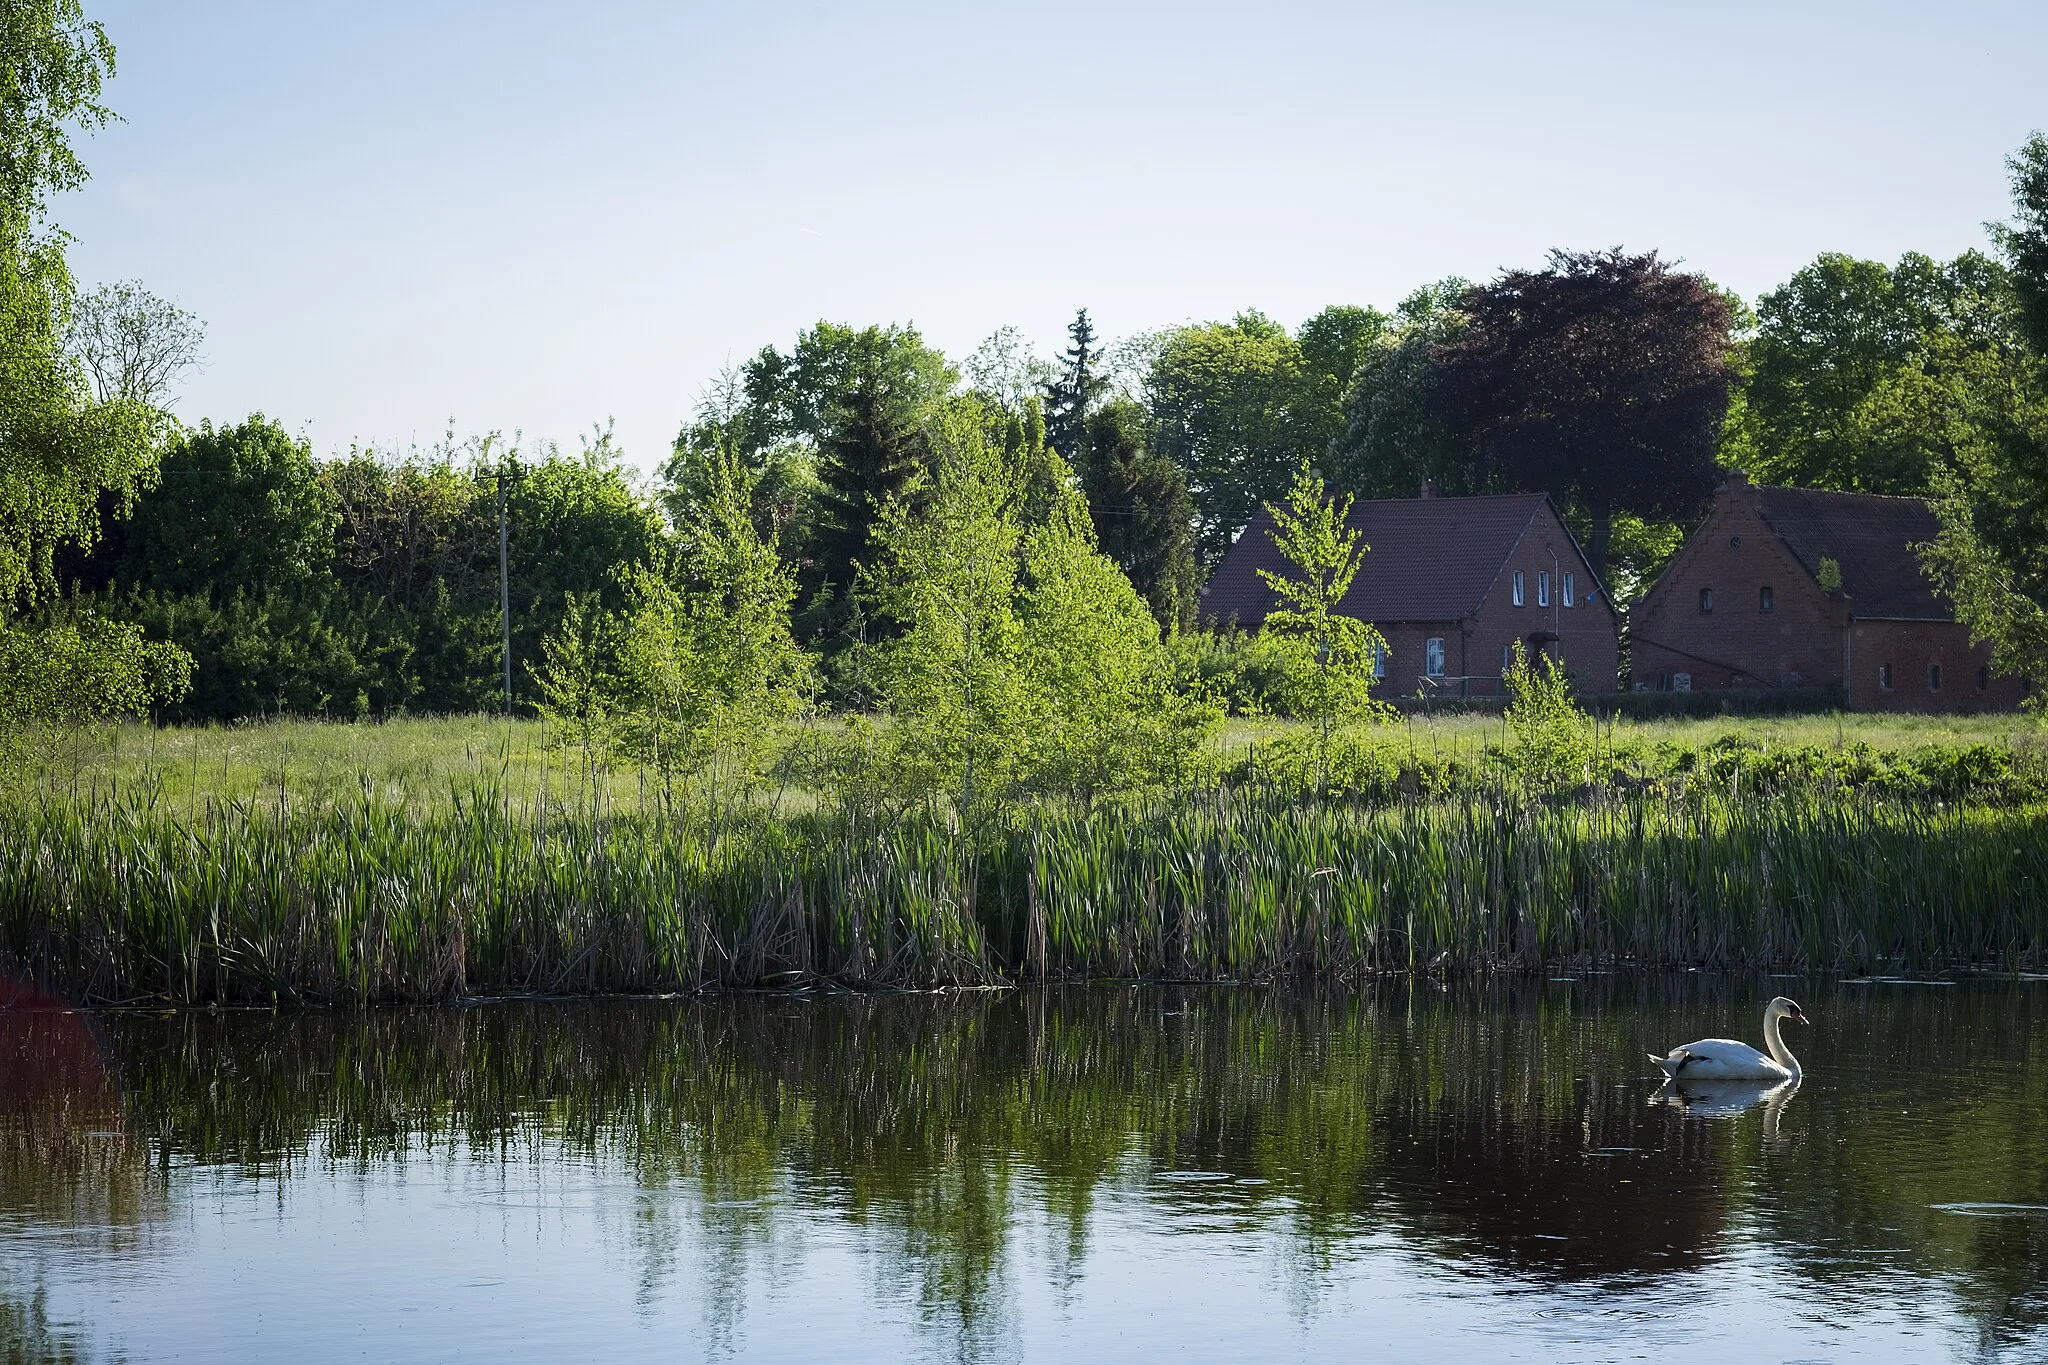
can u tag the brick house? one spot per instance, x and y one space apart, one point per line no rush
1741 606
1451 583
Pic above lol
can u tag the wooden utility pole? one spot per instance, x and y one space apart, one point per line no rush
505 590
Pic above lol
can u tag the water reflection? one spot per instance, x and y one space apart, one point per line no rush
990 1165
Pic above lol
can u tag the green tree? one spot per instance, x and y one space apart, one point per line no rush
1394 437
64 452
1991 556
1328 656
1231 404
1603 380
1077 385
1144 517
1859 372
2024 241
1551 741
696 675
1022 657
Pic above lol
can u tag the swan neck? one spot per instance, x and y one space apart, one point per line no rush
1780 1054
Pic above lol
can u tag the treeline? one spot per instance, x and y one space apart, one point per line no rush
225 572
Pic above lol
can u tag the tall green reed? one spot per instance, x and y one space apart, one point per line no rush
117 898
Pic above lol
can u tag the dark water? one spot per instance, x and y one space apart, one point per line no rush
1104 1173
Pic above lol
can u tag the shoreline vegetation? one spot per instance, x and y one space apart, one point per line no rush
1687 848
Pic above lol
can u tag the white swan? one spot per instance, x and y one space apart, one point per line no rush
1724 1059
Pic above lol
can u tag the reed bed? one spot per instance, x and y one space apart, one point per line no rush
126 900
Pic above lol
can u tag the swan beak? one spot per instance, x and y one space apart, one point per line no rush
1798 1016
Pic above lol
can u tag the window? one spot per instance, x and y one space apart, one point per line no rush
1379 659
1568 591
1543 588
1934 677
1884 677
1764 601
1433 656
1706 601
1507 658
1681 682
1983 678
1519 601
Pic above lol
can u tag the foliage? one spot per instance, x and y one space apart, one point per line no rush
1329 656
1075 388
1024 659
1552 743
81 668
2024 241
1603 380
1144 517
133 344
695 675
1870 378
1233 406
1394 437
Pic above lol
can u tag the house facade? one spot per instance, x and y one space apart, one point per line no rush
1452 584
1742 605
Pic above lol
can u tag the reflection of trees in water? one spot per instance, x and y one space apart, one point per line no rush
68 1159
1950 1088
1493 1128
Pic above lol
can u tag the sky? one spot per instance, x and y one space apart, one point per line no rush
397 214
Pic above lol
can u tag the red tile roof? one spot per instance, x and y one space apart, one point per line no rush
1431 559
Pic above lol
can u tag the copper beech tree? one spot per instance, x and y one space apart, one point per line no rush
1603 380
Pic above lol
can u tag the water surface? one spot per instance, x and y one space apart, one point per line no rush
1409 1173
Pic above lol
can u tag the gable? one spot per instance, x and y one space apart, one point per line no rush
1429 559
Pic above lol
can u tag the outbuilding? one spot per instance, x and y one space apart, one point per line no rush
1451 584
1797 587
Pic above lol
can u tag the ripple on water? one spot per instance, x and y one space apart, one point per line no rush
1993 1210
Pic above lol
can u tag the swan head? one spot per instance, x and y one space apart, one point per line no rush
1786 1009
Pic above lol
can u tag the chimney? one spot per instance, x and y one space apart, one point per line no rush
1733 479
1428 488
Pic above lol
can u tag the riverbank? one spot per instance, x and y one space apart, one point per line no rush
125 899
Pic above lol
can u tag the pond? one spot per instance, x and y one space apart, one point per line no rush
1410 1172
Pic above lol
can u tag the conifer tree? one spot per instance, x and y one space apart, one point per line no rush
1074 390
874 450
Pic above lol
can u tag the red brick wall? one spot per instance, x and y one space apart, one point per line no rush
1909 647
1809 638
1735 555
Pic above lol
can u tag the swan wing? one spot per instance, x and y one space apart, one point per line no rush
1720 1059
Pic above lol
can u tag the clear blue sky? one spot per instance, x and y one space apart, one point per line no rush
394 212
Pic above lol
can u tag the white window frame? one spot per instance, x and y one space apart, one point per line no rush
1521 599
1379 659
1543 587
1507 657
1570 590
1433 656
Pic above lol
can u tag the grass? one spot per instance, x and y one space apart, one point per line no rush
123 900
420 762
434 859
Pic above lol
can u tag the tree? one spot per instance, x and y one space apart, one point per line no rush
1991 556
133 344
1231 405
1144 518
1022 658
1603 380
873 452
2024 241
1002 371
1328 656
1394 437
1859 370
60 449
1074 389
697 673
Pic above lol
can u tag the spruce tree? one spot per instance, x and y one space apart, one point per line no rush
872 451
1144 515
1074 390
